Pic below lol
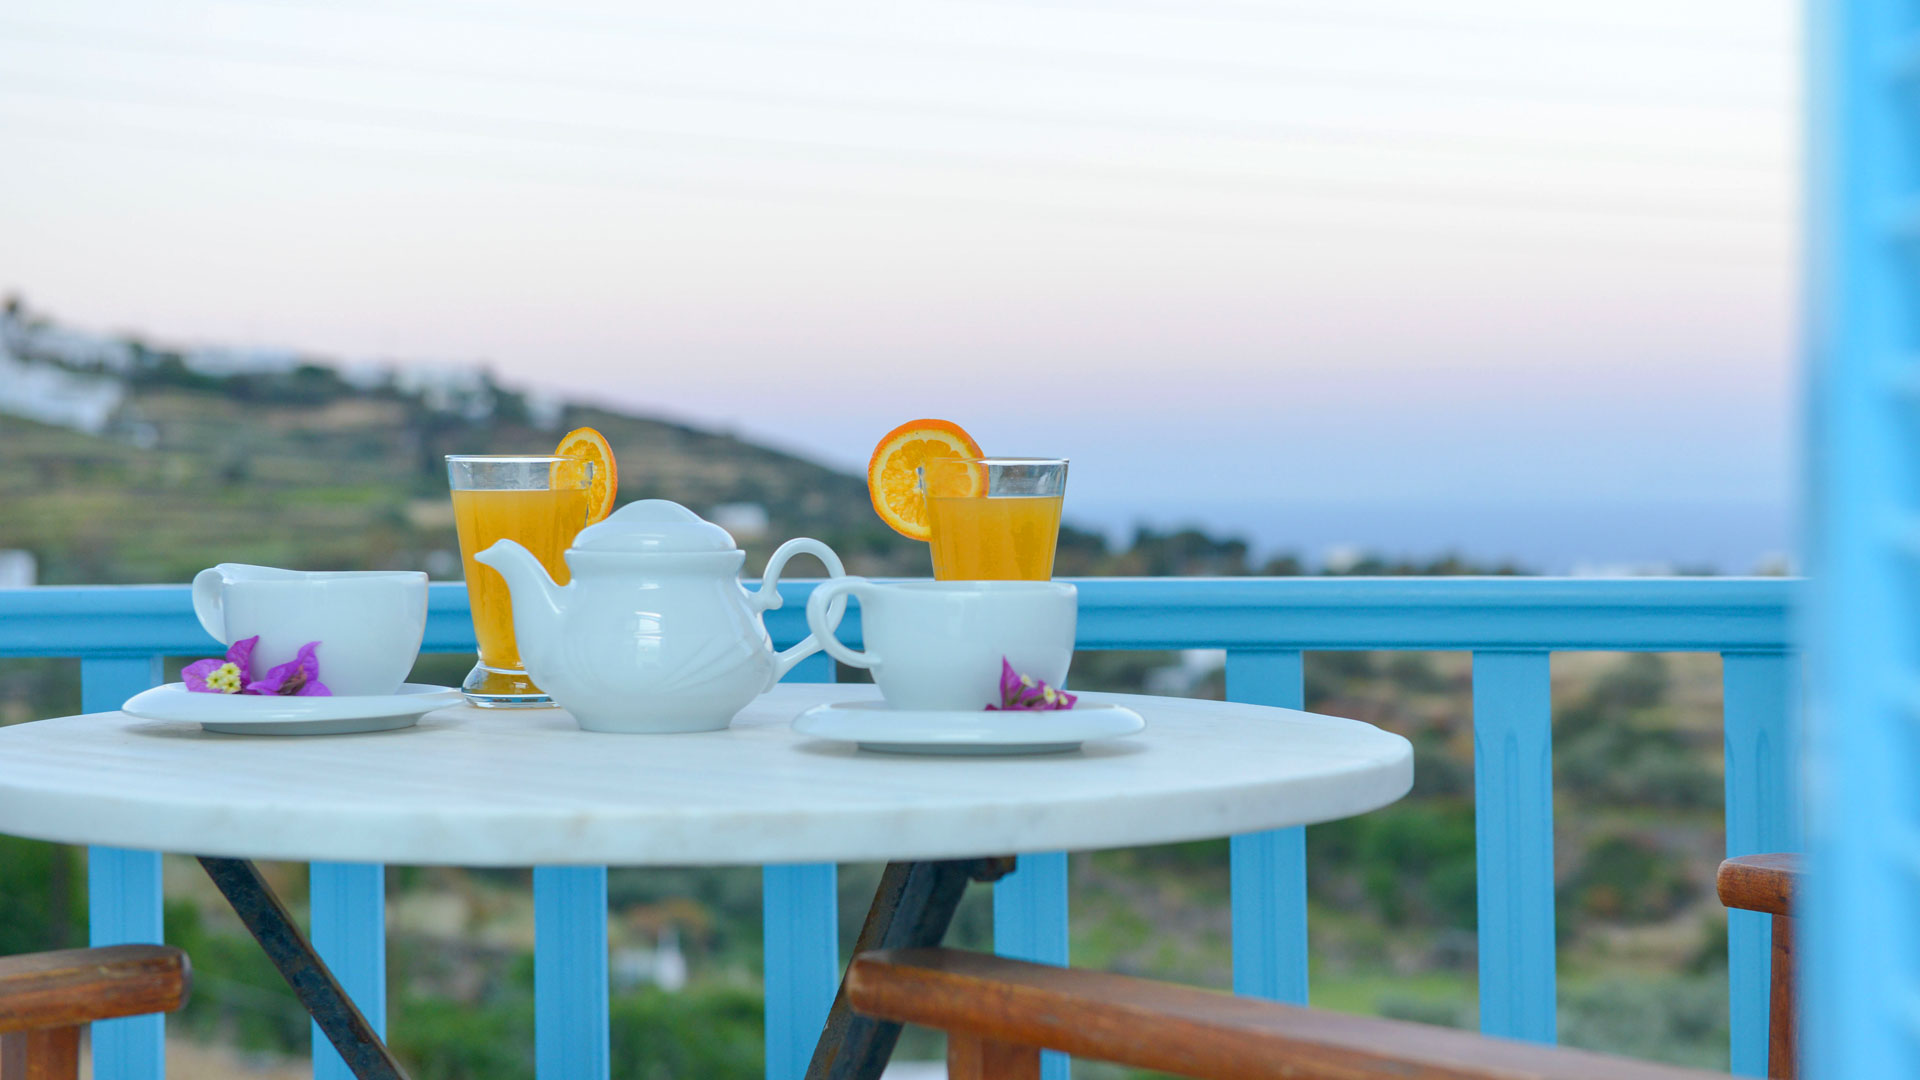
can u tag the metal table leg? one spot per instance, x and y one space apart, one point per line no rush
913 907
266 917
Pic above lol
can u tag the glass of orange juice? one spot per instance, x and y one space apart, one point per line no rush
994 518
539 501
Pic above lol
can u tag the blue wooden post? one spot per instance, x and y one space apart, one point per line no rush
1513 832
1269 869
570 973
123 890
348 902
1859 935
800 925
1761 691
1030 923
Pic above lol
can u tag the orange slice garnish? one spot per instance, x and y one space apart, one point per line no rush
588 445
893 479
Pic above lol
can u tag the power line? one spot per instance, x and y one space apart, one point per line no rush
594 135
1275 132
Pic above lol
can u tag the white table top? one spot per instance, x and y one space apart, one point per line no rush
472 787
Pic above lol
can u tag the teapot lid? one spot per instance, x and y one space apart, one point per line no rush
654 527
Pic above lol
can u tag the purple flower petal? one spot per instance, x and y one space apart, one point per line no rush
195 675
227 675
240 655
1023 692
294 677
1009 680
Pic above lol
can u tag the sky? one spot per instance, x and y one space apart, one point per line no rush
1216 252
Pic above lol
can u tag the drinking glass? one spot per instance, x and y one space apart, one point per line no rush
539 501
994 518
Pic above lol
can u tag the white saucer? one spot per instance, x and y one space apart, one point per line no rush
250 714
876 727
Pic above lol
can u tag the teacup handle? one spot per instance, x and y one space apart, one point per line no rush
824 609
767 598
206 602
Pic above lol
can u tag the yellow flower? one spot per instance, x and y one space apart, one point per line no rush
224 679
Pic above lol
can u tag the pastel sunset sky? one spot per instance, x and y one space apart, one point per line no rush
1326 249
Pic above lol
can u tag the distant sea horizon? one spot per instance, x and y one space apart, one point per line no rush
1602 538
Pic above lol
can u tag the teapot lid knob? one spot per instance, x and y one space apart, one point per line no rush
655 527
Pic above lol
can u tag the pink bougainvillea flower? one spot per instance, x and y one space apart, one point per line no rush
298 677
227 675
1024 692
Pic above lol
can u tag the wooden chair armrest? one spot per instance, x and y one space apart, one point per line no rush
79 986
1768 883
1195 1032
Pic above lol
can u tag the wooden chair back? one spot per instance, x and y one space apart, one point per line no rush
47 998
1770 884
999 1014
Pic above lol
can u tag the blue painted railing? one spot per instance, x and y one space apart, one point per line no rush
1511 625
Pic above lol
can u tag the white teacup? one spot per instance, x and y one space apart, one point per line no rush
938 644
369 623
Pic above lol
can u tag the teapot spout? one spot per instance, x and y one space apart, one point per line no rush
537 601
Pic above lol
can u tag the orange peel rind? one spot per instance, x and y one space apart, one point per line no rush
893 478
586 444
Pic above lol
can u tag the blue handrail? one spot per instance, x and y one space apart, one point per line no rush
1560 614
1511 625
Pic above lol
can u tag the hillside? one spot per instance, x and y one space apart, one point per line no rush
127 462
301 468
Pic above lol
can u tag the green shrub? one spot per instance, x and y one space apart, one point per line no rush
1677 1019
443 1039
1625 878
709 1032
42 896
1414 861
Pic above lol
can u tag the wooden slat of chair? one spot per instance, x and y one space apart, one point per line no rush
46 998
43 1054
1770 884
999 1013
1765 883
970 1057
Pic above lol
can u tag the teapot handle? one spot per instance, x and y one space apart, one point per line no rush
767 597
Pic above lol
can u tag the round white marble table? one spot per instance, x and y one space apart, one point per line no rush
470 787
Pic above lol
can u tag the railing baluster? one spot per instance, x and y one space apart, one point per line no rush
124 907
123 890
1030 923
800 915
1269 869
349 913
1513 830
570 973
1761 691
800 924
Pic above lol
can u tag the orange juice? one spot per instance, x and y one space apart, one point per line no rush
544 522
998 538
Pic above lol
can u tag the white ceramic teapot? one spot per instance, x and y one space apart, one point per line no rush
654 633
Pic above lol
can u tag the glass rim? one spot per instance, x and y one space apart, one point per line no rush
529 459
1001 460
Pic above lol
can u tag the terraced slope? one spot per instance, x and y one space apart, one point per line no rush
189 476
